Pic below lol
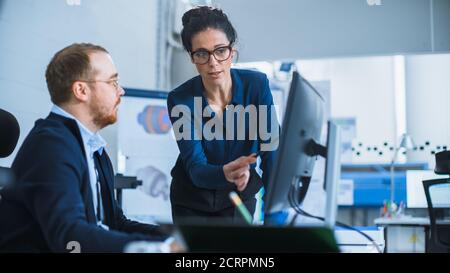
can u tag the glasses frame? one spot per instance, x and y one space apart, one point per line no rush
115 82
229 47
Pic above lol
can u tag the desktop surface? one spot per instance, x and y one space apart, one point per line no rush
403 220
257 239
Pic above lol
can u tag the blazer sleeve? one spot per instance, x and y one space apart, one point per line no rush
126 225
202 173
51 184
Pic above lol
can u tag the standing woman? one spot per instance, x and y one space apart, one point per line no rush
207 169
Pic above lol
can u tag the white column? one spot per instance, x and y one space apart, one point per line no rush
427 103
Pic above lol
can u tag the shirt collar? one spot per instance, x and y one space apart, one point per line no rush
92 140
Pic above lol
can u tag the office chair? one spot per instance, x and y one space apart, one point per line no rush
9 135
437 192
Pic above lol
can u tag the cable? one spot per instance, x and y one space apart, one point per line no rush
296 206
362 233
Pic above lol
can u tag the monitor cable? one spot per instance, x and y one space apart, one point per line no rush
296 205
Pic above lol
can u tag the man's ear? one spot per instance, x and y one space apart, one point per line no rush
80 91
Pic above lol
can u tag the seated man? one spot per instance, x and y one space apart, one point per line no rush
63 198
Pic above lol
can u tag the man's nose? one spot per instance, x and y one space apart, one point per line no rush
121 91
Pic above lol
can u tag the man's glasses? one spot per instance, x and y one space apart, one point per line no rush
202 56
113 82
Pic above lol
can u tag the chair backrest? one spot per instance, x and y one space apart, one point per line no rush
437 192
9 135
442 162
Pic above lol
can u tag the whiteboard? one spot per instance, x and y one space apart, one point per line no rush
148 150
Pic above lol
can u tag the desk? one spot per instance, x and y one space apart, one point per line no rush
405 234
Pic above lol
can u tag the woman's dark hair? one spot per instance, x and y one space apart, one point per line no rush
201 18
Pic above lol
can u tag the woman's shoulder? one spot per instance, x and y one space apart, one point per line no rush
254 84
185 90
249 74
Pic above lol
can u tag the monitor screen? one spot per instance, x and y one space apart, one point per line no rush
303 122
415 194
440 194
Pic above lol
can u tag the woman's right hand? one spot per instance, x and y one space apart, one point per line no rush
238 171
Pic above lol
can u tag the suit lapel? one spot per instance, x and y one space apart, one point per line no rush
89 205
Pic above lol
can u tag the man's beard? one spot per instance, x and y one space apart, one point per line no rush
102 117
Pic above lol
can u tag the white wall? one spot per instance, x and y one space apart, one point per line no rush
428 103
32 31
362 88
299 29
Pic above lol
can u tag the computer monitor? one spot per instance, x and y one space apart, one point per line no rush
415 194
332 172
300 135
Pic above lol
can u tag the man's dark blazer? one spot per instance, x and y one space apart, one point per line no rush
51 202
